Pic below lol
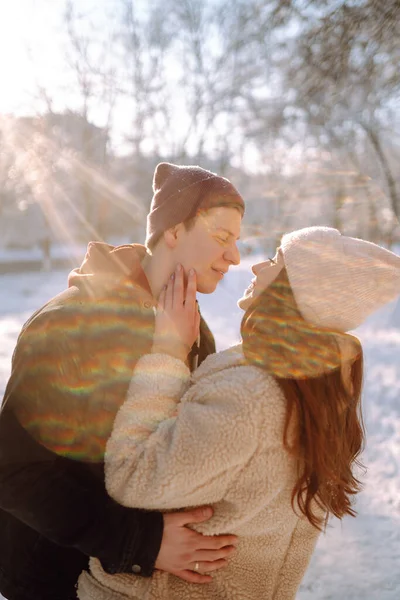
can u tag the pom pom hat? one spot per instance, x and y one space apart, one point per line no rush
180 191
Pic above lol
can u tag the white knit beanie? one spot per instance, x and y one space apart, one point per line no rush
338 281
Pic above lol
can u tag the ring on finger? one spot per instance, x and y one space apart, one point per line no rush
196 567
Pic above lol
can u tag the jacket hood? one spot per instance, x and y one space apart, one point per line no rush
106 266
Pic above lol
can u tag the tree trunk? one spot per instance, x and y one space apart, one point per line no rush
390 181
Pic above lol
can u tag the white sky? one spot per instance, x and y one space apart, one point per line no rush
29 50
32 50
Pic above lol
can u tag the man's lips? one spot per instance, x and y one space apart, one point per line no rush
220 272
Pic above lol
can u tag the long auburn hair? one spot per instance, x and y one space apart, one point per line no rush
324 426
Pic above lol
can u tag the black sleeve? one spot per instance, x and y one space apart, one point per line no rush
207 342
66 502
69 377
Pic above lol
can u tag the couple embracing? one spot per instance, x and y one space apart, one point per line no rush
118 414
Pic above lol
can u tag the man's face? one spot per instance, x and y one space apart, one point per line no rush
210 246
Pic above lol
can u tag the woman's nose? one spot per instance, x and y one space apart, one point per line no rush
256 268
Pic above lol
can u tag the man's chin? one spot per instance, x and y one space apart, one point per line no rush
206 288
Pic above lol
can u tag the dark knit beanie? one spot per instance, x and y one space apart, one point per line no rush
179 192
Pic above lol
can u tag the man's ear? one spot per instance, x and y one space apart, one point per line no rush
171 235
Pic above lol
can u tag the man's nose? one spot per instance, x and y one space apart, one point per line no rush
233 255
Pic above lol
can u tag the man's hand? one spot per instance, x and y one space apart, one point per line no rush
183 550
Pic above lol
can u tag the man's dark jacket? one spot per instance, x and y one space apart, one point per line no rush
70 373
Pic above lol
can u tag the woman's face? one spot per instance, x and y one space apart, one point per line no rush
265 273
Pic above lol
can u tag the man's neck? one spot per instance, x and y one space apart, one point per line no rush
157 268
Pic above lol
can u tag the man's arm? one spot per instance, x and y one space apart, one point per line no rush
66 502
47 479
53 427
71 509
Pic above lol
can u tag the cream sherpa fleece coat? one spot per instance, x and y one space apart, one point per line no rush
220 445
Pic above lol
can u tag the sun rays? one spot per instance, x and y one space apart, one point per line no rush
56 177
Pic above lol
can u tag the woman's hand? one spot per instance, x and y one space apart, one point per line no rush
178 318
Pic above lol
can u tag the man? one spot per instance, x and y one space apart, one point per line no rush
70 373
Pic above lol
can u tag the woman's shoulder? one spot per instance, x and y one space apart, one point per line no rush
229 371
219 361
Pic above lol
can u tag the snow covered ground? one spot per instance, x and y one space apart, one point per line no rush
357 559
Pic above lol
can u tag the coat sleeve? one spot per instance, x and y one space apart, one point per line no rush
63 496
166 454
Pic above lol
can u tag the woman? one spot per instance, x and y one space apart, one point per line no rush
268 432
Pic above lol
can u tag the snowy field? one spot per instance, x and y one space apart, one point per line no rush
357 559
